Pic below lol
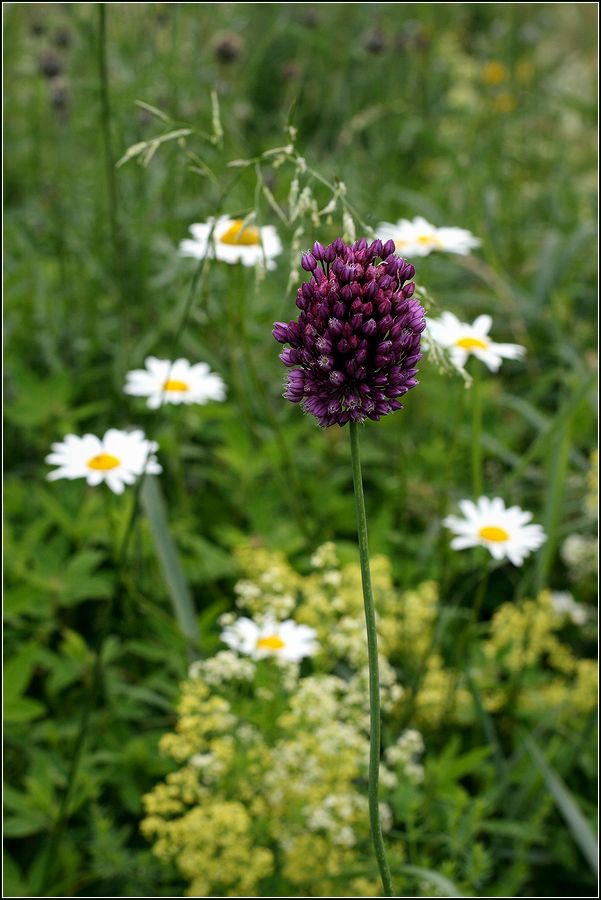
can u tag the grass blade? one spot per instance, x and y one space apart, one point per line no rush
155 510
575 820
446 887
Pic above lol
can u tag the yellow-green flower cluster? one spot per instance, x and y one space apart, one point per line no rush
273 763
537 670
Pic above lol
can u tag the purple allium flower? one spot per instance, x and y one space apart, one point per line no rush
354 348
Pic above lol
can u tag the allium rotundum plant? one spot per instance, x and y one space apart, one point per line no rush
355 347
353 353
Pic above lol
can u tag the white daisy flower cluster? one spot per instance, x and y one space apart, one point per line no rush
116 459
461 341
163 381
285 640
505 532
233 241
120 457
419 238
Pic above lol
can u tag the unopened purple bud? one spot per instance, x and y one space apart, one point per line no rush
338 245
385 324
289 356
376 248
370 327
409 290
388 248
329 254
280 332
337 377
318 251
323 344
335 326
308 262
339 309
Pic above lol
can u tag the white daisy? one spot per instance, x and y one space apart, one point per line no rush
504 532
285 640
420 238
463 340
233 242
117 458
163 381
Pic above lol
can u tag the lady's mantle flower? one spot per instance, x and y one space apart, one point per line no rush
420 238
118 458
463 340
285 640
233 241
163 381
566 607
354 349
504 532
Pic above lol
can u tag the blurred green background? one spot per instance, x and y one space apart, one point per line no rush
476 115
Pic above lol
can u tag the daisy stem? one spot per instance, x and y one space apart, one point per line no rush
476 435
374 678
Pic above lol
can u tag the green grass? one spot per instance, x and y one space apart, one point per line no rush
94 284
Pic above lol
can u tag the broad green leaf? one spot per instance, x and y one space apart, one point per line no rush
155 509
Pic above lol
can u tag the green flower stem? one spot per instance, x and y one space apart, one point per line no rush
477 481
374 678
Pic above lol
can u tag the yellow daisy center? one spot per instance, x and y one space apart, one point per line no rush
493 533
271 642
471 343
238 233
103 462
426 239
174 385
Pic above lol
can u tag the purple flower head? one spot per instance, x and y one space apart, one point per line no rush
356 343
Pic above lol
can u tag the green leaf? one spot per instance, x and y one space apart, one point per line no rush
14 884
18 671
155 509
22 709
568 807
27 821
